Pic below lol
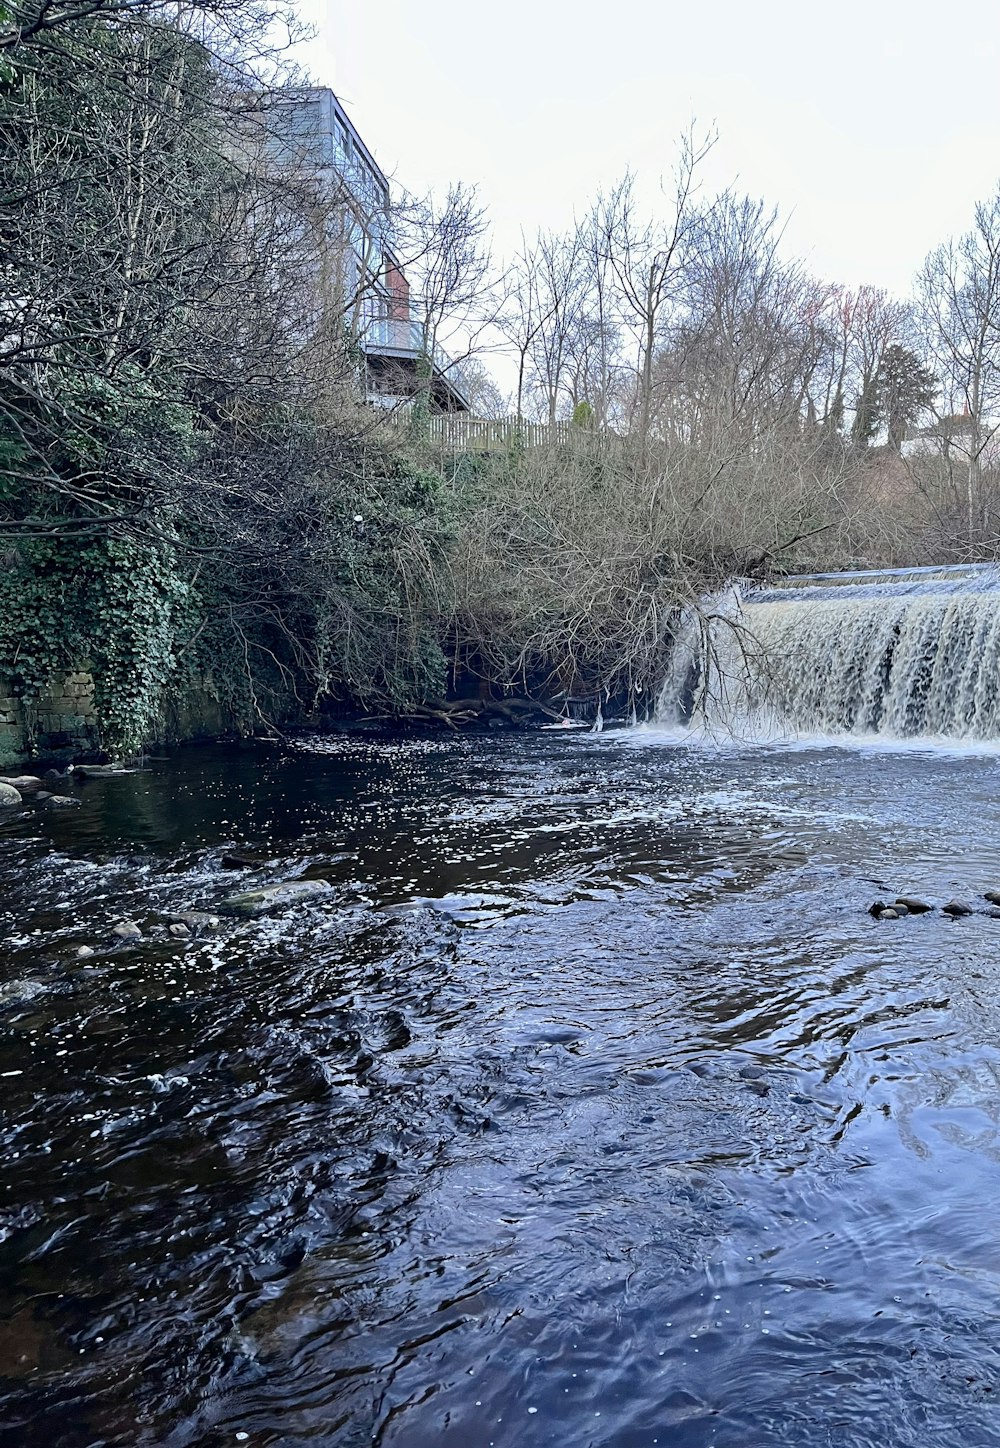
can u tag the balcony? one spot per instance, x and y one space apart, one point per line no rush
393 349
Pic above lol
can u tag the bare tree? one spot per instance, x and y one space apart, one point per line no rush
741 356
958 292
875 322
646 259
444 247
526 311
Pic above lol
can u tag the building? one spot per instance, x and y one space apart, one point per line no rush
955 439
314 131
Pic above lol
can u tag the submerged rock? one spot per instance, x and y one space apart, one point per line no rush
196 922
913 905
955 908
18 992
242 860
9 796
268 901
101 771
62 801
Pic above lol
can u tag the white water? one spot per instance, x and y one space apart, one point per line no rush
908 655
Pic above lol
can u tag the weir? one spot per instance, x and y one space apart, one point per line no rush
897 653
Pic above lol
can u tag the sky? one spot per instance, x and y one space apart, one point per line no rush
874 127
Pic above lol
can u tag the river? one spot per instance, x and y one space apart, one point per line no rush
590 1108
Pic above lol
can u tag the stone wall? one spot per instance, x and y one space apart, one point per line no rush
11 732
62 717
63 720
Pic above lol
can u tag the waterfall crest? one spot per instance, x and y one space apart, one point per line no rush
900 654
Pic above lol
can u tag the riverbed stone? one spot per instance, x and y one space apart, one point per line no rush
876 908
956 908
179 930
993 896
9 796
84 952
62 801
888 913
126 930
24 783
913 905
272 898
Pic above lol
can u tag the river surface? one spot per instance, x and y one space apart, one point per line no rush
590 1108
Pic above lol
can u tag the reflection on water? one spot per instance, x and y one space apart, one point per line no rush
590 1107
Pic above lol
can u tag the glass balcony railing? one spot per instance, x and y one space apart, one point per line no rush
405 337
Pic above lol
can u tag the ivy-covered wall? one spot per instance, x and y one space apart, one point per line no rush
96 653
63 718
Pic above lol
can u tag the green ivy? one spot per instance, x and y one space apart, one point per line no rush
113 605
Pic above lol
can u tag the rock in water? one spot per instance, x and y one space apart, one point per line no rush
876 908
9 796
242 860
102 771
914 906
955 908
62 801
16 992
251 903
993 896
23 782
198 922
126 930
888 914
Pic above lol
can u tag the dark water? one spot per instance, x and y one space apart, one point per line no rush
591 1108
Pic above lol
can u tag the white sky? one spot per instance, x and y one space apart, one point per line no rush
874 124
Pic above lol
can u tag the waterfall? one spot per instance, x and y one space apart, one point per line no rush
903 653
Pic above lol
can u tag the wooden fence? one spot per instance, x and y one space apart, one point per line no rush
456 432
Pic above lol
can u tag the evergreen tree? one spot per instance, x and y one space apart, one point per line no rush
904 388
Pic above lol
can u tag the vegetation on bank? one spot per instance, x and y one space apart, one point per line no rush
189 491
193 494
